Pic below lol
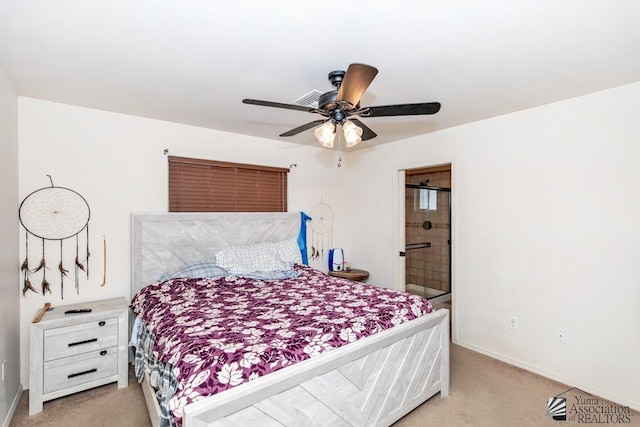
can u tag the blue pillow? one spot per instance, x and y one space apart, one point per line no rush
195 270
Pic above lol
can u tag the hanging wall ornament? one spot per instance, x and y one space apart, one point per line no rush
104 261
321 229
53 213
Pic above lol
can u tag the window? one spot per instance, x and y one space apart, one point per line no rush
428 199
197 185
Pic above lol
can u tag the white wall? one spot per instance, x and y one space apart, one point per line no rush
116 162
9 307
546 228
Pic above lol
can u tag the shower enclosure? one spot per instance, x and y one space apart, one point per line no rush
428 240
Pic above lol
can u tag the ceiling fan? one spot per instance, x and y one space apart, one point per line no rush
340 105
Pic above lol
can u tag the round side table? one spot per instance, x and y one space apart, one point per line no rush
352 274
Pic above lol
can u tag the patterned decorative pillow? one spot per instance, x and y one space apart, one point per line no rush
289 251
195 270
251 258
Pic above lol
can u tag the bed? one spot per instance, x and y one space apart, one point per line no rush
373 381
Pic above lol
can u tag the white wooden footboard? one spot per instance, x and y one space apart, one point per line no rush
372 382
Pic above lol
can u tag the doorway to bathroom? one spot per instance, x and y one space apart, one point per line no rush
427 248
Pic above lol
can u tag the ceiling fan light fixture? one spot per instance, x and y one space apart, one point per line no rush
338 105
352 133
326 134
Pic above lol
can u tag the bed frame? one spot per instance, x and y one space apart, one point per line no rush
372 382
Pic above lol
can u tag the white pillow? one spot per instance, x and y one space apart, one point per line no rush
247 259
289 251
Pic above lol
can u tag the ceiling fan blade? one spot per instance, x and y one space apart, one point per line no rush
367 133
279 105
355 83
401 110
303 127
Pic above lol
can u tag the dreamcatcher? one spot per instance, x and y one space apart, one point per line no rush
321 229
54 213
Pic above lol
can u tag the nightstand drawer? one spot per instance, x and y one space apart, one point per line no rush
82 338
83 368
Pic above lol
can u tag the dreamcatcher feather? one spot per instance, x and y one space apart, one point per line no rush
321 229
54 213
63 272
25 269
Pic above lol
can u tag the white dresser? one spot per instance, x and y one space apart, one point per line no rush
75 352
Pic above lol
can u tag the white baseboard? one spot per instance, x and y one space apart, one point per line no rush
12 408
553 376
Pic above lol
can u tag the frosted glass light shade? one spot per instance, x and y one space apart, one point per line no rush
326 134
352 133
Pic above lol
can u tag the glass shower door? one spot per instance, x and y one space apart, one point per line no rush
427 240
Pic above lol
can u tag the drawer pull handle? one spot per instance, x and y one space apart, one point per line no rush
103 352
83 342
102 323
90 371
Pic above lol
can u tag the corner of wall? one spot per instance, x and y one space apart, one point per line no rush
9 237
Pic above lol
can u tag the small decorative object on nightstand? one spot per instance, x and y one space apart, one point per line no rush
352 274
78 347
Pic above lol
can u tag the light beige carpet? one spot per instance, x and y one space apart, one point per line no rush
484 392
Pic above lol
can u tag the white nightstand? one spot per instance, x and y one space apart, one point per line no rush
75 352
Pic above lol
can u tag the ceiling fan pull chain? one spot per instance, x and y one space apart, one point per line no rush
339 149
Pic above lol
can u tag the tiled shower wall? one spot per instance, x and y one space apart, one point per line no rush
428 267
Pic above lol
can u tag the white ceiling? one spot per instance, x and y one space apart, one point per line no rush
193 61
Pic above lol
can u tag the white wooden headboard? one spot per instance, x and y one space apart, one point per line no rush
162 242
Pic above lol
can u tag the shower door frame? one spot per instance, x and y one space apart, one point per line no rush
446 296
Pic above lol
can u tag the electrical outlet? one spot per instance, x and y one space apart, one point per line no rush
513 323
561 335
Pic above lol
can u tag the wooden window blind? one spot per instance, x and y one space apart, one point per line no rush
197 185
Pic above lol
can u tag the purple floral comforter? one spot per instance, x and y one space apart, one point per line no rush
218 333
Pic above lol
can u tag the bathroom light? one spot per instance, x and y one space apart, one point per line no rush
352 133
326 133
